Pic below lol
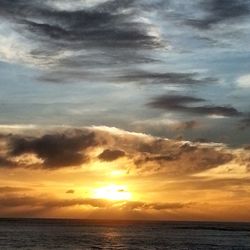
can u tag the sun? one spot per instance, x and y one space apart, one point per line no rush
112 192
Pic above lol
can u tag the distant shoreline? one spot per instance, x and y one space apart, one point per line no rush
121 221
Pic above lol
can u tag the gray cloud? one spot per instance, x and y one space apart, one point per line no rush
111 155
188 104
57 150
189 158
107 32
146 155
167 78
220 11
4 162
186 125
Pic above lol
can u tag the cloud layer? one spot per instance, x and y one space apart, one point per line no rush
146 154
81 35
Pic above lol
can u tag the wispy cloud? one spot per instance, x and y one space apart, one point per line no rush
189 104
244 81
175 78
95 33
43 203
220 11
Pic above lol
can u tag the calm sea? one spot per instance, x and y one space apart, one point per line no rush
80 234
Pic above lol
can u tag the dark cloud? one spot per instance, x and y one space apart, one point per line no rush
174 101
220 11
4 162
188 104
47 203
147 155
182 159
111 155
167 78
70 191
56 150
94 29
217 110
171 157
158 159
107 32
97 203
135 205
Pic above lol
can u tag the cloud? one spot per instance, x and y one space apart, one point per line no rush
175 101
200 183
56 150
244 81
204 24
7 189
167 78
15 201
111 155
90 36
71 41
141 154
70 191
165 125
4 162
220 11
137 205
73 6
188 104
47 203
186 125
179 159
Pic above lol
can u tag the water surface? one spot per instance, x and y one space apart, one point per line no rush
81 234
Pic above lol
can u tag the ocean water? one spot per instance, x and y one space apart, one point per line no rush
82 234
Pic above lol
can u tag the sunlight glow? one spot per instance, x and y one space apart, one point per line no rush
117 173
112 192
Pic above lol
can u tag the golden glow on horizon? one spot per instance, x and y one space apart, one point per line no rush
112 192
208 183
117 173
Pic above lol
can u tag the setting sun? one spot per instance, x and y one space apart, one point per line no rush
112 192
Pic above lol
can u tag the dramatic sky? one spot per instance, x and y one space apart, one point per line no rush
125 109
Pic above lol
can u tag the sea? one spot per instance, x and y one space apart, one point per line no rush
36 234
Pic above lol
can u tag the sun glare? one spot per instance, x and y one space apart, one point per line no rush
112 192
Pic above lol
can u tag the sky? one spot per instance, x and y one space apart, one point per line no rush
125 109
